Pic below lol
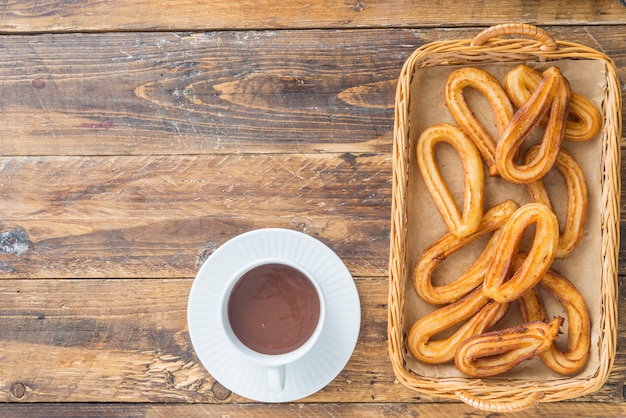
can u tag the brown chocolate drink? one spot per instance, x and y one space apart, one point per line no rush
273 308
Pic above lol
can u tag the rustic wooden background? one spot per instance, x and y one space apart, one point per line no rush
139 135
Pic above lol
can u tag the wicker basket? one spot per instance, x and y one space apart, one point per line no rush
528 43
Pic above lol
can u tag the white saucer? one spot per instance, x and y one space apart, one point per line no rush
335 345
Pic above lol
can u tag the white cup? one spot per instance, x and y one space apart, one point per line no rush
276 364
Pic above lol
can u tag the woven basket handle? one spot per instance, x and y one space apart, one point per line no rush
524 29
492 406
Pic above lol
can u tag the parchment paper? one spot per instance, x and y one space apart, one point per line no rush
582 267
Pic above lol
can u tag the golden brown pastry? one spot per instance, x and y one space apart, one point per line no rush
578 328
479 311
573 227
505 284
496 352
436 253
584 120
489 87
551 95
473 302
460 224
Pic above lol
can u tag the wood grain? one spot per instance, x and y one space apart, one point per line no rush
140 135
26 16
133 209
373 410
217 92
72 217
127 341
196 93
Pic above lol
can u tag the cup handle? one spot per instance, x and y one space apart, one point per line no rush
276 376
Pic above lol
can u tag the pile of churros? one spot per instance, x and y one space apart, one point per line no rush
469 306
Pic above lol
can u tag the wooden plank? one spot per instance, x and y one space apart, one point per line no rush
153 93
373 410
26 16
127 341
161 216
217 92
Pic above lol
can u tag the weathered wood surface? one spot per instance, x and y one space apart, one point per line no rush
129 153
100 15
218 92
126 341
142 217
72 217
371 410
101 120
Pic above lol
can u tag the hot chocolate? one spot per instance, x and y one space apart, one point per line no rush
273 308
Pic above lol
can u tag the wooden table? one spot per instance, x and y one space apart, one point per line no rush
137 136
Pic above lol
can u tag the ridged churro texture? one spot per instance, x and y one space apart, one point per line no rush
518 241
